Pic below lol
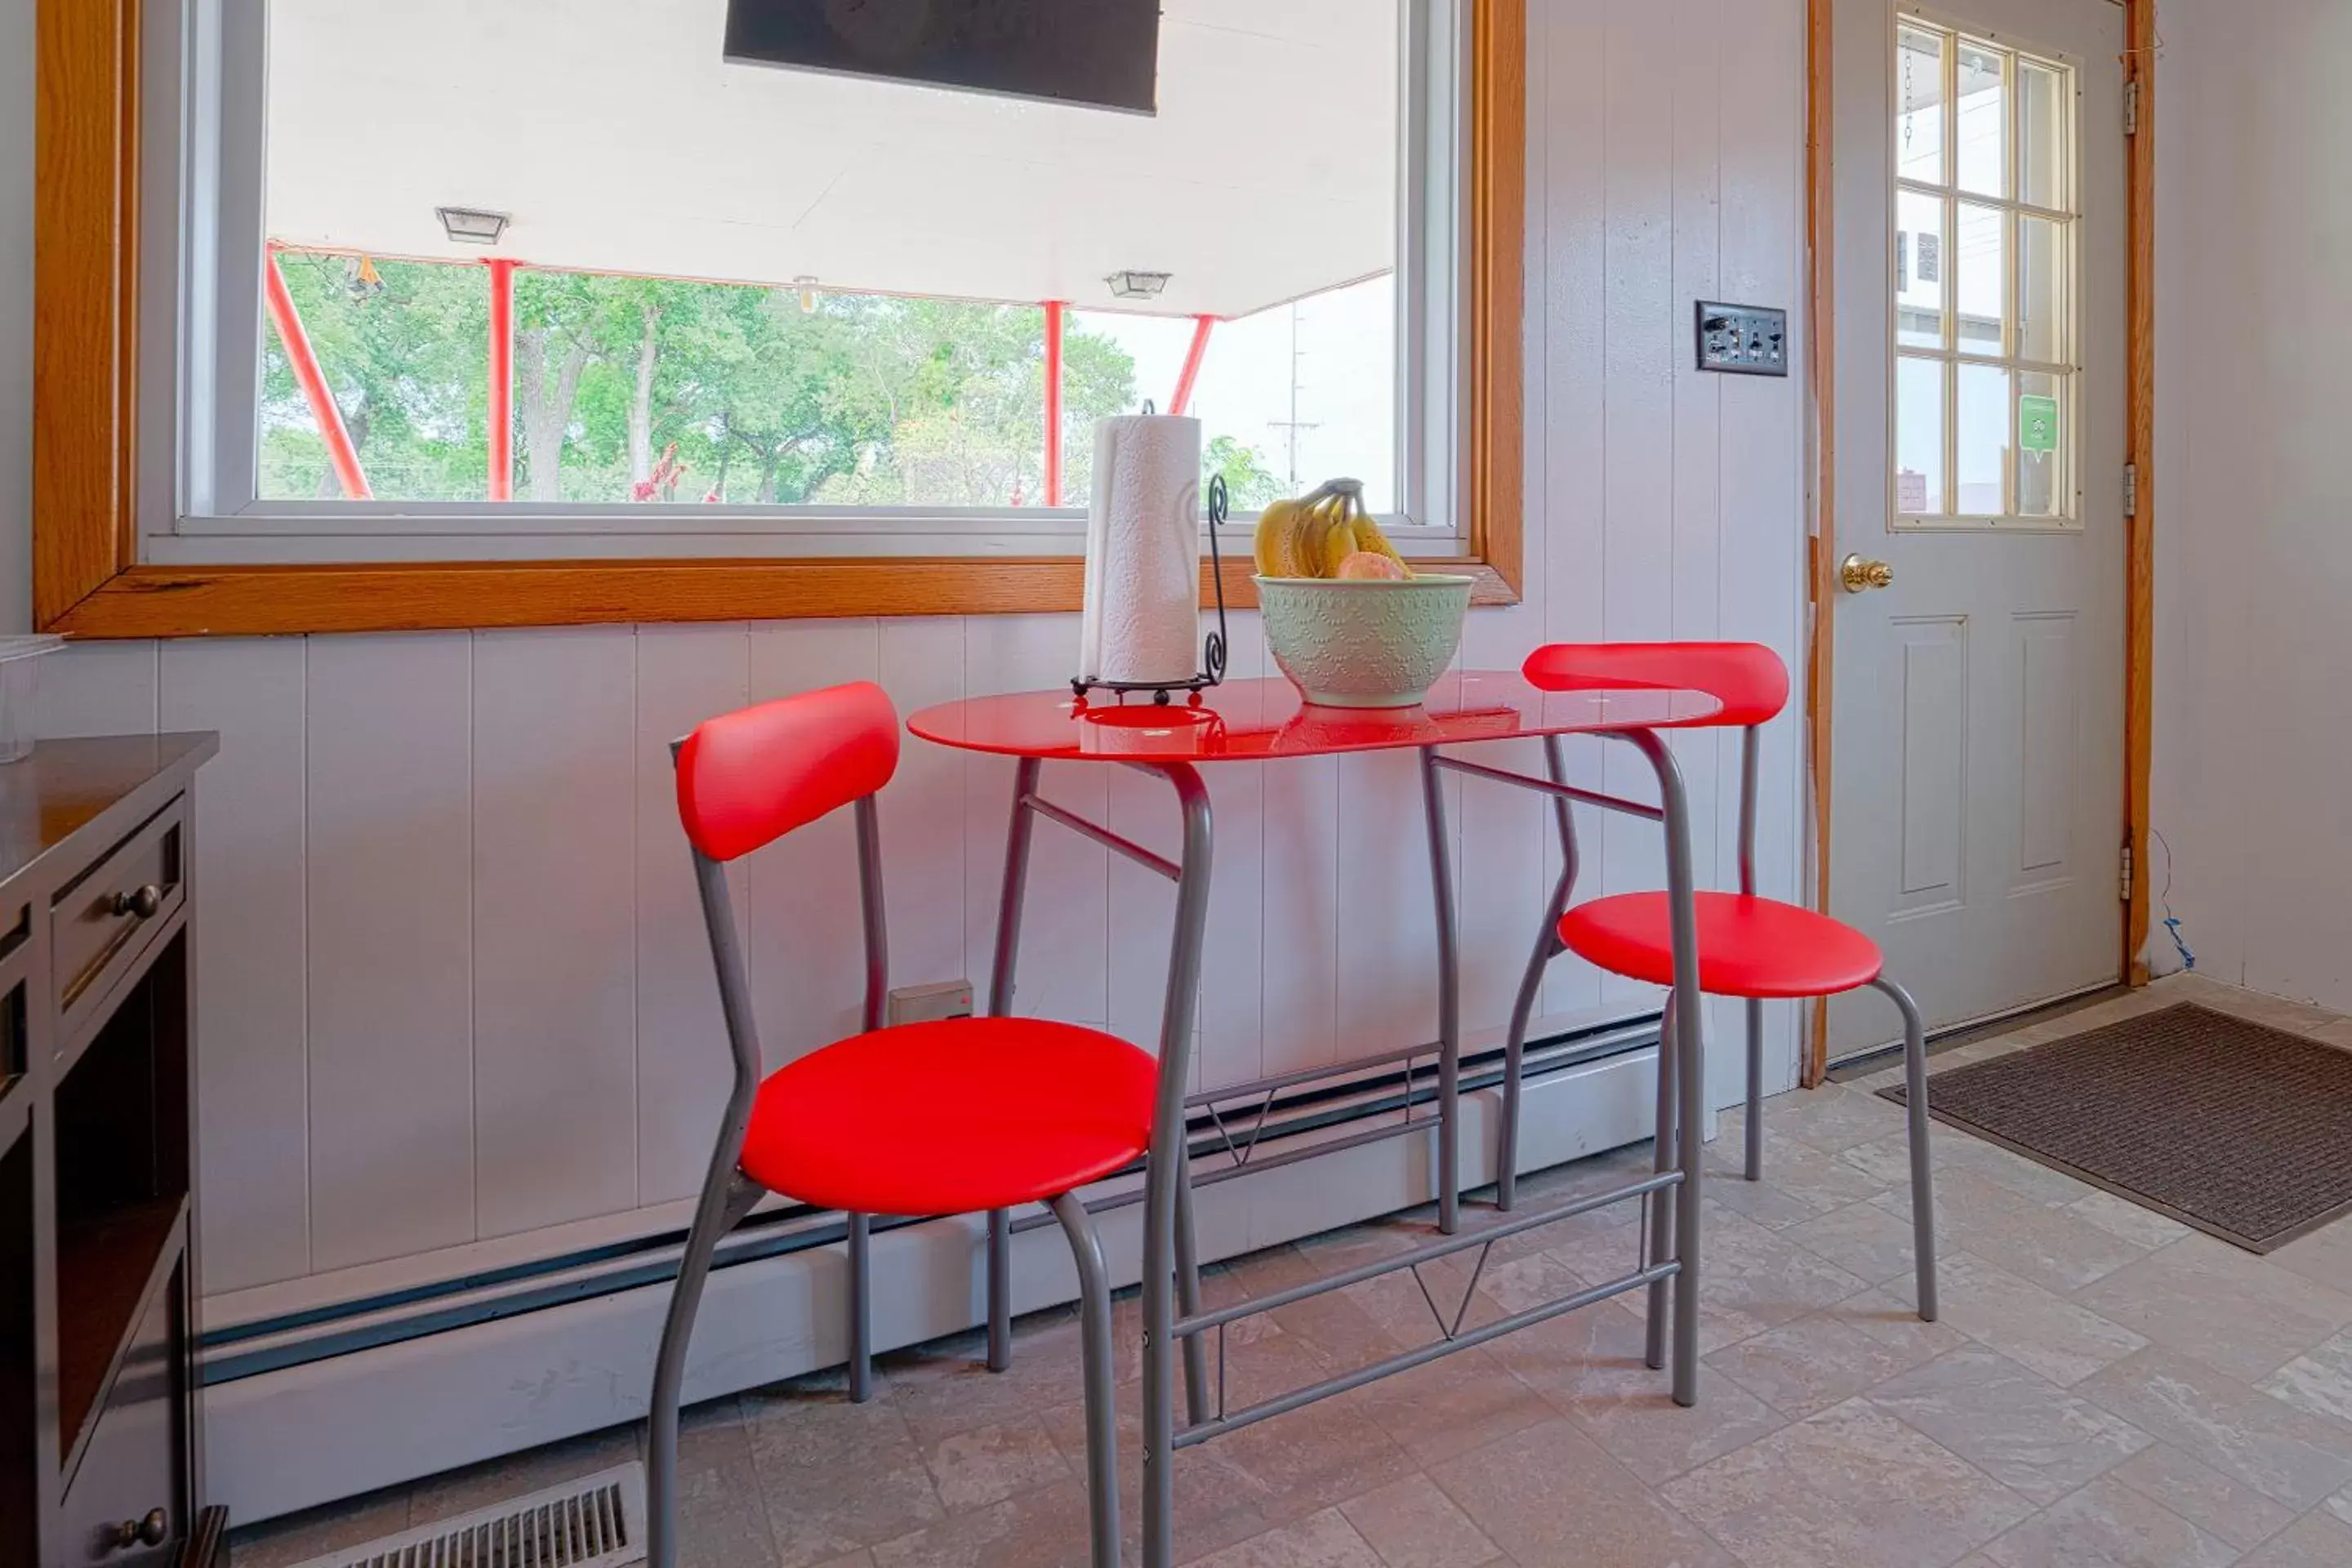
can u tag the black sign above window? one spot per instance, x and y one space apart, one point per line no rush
1103 54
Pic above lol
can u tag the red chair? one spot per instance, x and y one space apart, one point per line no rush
1750 947
953 1117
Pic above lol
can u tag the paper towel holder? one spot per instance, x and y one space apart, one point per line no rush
1212 653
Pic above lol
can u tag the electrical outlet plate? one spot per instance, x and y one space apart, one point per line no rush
923 1003
1742 340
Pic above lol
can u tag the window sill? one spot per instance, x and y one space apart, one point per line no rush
160 600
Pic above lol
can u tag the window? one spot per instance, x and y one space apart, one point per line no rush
179 485
1984 378
553 276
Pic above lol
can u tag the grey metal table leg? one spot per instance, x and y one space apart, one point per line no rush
1691 1065
1523 1007
1101 1379
1164 1169
1000 1006
1915 1098
1661 1211
1187 1294
1449 999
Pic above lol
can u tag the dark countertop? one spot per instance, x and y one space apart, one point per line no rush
65 786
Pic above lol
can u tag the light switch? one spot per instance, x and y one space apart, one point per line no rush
1744 340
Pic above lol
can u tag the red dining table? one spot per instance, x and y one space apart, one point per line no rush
1260 721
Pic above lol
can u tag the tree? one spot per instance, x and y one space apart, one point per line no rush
1250 484
404 350
865 400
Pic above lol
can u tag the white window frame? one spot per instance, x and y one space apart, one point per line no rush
2012 207
204 101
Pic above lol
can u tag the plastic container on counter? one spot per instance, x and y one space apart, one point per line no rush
20 692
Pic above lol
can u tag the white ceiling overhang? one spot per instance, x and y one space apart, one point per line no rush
619 141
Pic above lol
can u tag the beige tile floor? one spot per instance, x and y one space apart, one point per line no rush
2107 1387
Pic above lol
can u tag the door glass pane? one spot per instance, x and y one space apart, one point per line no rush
1981 265
1919 106
2042 303
1919 437
2041 445
1982 431
1922 267
1984 123
2042 134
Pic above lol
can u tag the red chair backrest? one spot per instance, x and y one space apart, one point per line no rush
1747 678
747 778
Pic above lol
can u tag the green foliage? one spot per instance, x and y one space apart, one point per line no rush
1250 484
407 361
865 401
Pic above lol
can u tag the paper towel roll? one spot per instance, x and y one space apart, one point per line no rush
1142 615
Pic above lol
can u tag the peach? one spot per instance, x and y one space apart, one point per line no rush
1370 565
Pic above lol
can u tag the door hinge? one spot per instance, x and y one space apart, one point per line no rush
2126 892
2131 490
2131 108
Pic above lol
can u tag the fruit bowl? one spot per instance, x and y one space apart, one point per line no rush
1363 643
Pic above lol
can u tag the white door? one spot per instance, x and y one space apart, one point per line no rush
1977 822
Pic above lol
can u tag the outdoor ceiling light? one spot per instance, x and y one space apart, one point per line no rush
470 226
807 286
1132 285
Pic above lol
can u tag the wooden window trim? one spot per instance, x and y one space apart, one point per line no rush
88 581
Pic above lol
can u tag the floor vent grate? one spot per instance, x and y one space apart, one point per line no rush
597 1521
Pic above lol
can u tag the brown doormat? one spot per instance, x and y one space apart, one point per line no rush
2243 1130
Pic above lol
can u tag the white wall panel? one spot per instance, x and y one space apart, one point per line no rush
100 689
252 952
1570 118
685 675
555 890
389 912
1065 970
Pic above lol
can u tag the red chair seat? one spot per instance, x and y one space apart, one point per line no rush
951 1117
1747 946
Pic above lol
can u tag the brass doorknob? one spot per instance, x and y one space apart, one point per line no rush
147 1532
1860 576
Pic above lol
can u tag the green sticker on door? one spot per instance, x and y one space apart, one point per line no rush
2037 424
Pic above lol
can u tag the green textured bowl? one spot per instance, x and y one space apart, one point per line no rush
1363 643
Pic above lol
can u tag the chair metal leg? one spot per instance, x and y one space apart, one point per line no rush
1000 1289
1755 1119
1101 1379
861 1310
1915 1097
1660 1205
725 1201
1187 1294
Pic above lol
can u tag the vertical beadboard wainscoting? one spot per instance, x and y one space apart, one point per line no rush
457 1018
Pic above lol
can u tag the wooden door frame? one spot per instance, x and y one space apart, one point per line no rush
2139 64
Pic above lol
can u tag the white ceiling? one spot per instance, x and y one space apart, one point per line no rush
620 141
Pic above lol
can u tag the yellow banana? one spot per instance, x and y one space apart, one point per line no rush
1335 539
1274 529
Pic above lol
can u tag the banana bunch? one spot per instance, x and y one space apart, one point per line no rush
1325 533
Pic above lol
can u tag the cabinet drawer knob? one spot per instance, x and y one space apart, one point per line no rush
152 1531
140 901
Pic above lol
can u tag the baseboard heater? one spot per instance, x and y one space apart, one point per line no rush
1294 1117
